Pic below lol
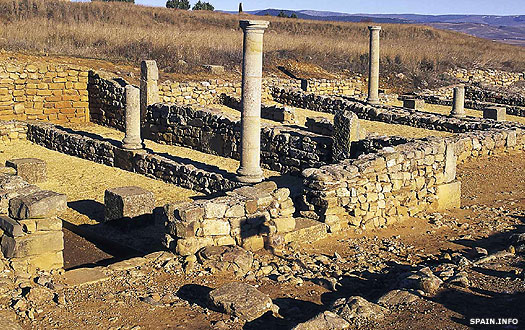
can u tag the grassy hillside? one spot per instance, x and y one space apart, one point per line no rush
129 33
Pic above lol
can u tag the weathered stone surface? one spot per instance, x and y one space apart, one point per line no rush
10 226
495 113
39 204
226 258
397 297
284 225
8 320
33 244
215 227
416 104
357 307
324 320
253 243
191 245
346 130
128 264
32 170
448 196
450 163
43 262
84 276
241 300
127 202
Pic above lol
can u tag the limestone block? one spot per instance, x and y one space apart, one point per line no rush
346 130
10 226
214 68
32 170
189 212
450 163
32 244
214 210
284 225
40 204
253 243
191 245
235 211
449 196
48 224
215 227
496 113
43 262
416 104
127 202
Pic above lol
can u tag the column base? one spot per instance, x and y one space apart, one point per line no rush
372 102
133 146
457 115
253 176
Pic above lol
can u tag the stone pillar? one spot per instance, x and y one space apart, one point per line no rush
149 90
132 140
346 130
458 103
250 169
373 66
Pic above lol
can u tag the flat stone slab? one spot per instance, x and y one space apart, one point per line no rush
84 276
324 320
127 202
306 231
40 204
241 300
128 264
32 170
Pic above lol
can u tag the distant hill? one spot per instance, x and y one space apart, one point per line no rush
508 29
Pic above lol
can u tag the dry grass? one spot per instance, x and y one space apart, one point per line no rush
128 33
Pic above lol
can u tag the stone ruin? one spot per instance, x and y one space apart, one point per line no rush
349 179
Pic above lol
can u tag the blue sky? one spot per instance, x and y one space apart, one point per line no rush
486 7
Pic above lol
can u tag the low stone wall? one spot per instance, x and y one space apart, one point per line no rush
380 188
31 235
284 149
387 114
56 93
206 179
247 217
490 77
12 130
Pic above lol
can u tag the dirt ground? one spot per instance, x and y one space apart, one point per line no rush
493 191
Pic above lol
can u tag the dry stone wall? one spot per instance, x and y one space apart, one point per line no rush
12 131
490 77
246 216
380 188
56 93
387 114
198 177
283 149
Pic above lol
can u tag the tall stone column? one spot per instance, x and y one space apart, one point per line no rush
132 140
458 103
373 66
149 90
250 169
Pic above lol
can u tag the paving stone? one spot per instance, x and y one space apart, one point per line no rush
32 170
84 276
39 204
241 300
127 202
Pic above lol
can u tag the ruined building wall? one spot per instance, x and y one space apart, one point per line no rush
56 93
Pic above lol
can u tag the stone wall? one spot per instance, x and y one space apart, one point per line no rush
12 130
387 114
30 231
56 93
284 149
489 77
107 101
246 216
380 188
272 112
198 177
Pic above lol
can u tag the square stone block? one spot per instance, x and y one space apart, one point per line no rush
40 204
416 104
449 196
496 113
32 170
127 202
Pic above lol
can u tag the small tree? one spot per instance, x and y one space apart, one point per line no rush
203 6
178 4
130 1
240 7
293 15
282 14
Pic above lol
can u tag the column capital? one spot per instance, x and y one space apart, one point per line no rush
374 28
254 25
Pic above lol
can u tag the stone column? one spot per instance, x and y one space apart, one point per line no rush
458 103
250 169
132 140
149 90
373 66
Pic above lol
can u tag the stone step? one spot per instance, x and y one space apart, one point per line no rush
306 231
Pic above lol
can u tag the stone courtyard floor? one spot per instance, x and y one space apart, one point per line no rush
160 291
